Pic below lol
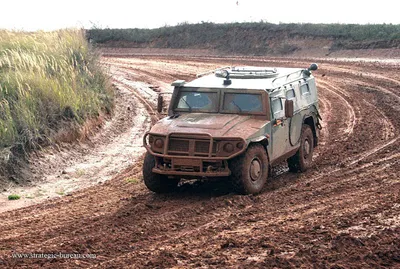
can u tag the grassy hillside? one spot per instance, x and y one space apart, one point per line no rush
46 80
252 37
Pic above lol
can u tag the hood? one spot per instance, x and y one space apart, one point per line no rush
217 125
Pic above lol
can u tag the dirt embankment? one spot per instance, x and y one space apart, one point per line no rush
344 213
254 38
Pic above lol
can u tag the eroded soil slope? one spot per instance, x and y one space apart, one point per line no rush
343 213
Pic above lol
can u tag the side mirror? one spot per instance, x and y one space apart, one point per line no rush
160 102
289 108
313 67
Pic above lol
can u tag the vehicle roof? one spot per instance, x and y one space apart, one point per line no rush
283 76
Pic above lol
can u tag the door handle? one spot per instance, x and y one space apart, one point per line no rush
278 122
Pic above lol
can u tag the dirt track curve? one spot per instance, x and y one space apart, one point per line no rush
344 213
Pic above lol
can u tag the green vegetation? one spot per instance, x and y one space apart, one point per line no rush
132 180
60 192
250 37
46 80
14 197
80 173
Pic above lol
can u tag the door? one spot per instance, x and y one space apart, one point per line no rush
280 131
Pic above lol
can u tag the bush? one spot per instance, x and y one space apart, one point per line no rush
14 197
242 37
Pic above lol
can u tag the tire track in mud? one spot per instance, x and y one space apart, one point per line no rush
326 114
351 119
349 132
388 130
309 219
149 107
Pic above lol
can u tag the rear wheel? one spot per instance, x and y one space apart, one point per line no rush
250 170
302 160
156 182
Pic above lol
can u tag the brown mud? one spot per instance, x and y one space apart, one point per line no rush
343 213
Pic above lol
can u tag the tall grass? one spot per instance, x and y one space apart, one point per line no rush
46 79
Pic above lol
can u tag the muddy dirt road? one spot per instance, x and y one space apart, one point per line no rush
344 213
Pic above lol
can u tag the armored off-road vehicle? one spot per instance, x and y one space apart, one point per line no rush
234 122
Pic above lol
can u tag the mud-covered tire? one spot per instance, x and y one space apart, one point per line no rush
156 182
302 160
250 170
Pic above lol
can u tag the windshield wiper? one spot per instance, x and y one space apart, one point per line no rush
233 102
189 106
174 116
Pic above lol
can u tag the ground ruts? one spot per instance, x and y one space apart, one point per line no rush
343 213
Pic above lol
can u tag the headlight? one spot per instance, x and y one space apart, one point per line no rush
159 143
228 147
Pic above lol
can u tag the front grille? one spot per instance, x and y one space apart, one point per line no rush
178 145
202 146
191 147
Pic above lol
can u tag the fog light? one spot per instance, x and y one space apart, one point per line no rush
239 145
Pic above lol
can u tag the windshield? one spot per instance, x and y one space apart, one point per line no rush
242 102
198 101
209 101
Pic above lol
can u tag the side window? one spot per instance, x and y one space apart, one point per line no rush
276 104
290 94
304 89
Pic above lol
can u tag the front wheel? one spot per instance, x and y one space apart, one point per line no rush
302 160
156 182
250 170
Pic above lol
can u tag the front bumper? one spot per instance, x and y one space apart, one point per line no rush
171 172
192 161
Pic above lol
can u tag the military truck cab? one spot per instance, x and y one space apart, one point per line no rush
234 122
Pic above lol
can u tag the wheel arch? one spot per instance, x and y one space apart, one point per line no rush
310 121
264 142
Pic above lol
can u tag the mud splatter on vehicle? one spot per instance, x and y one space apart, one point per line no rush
235 122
